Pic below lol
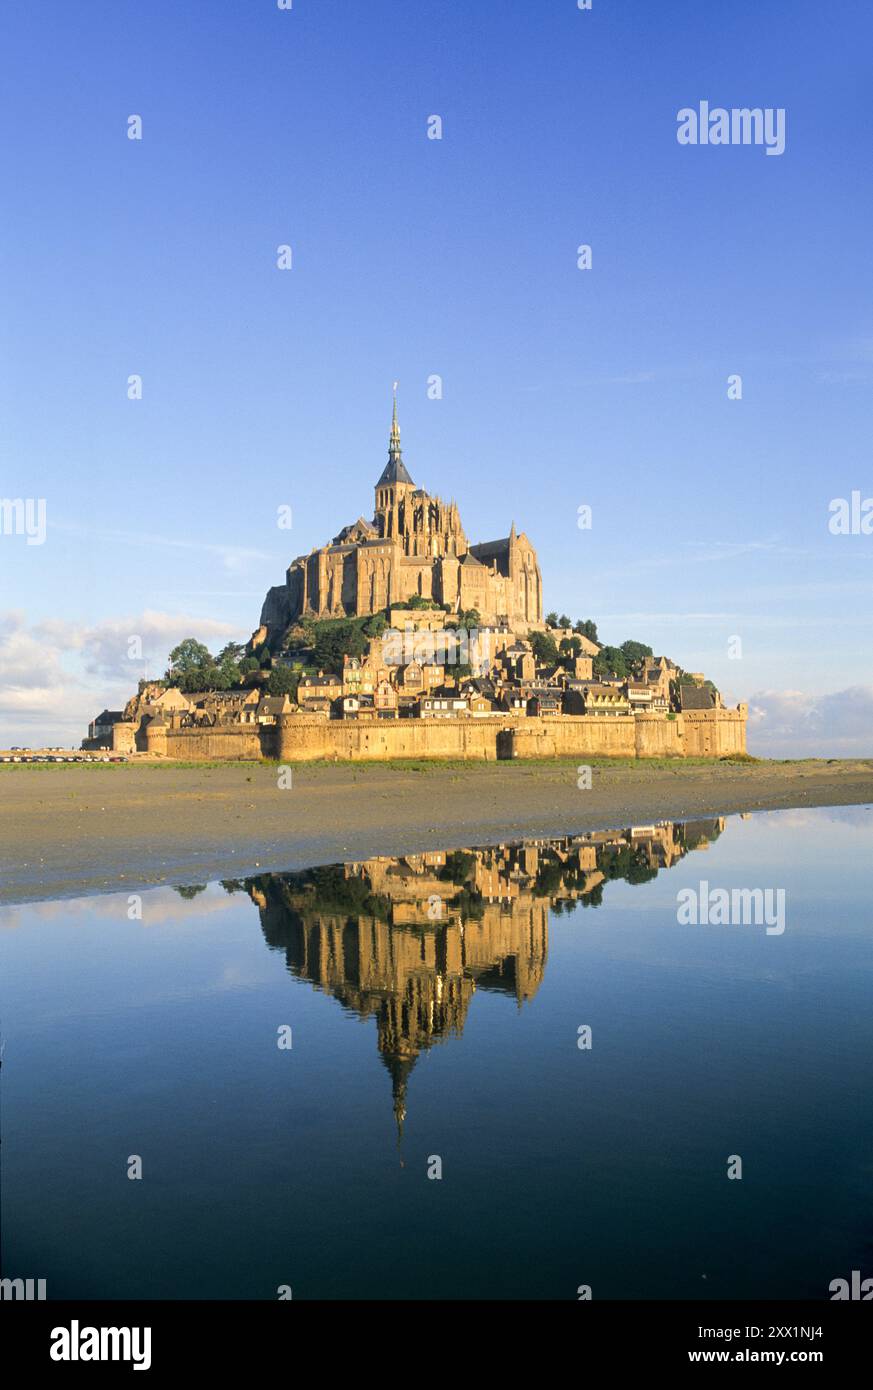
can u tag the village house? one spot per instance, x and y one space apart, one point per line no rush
554 676
418 677
598 699
272 706
582 667
480 695
658 672
359 676
442 705
512 699
210 707
320 705
358 707
323 686
385 699
698 697
544 700
478 705
101 727
639 695
518 661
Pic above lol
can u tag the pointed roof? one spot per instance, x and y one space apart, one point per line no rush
395 470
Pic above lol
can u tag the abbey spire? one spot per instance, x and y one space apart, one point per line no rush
394 440
395 470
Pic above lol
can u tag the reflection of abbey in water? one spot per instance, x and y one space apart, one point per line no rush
409 941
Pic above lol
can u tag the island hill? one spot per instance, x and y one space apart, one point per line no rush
399 639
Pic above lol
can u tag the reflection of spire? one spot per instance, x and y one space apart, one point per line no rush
400 1070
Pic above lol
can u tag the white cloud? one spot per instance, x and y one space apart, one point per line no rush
56 675
792 723
104 647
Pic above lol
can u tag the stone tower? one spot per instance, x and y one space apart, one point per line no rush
394 487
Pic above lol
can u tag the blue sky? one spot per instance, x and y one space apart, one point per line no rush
455 257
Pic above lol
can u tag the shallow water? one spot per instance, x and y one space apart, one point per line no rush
434 1006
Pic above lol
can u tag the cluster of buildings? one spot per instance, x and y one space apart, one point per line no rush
412 676
510 681
157 705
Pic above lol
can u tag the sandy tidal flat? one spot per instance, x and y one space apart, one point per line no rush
69 830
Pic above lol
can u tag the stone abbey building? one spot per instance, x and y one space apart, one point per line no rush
512 697
414 546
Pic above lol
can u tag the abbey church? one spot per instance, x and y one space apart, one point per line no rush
414 546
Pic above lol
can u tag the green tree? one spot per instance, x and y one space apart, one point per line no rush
334 639
284 681
188 656
218 677
230 673
634 652
587 628
231 654
545 648
610 661
569 648
551 620
417 601
564 621
469 618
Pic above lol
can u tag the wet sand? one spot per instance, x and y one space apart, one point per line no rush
72 830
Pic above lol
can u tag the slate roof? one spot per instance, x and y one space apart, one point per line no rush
696 697
395 471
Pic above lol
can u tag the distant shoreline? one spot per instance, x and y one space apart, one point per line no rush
67 830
